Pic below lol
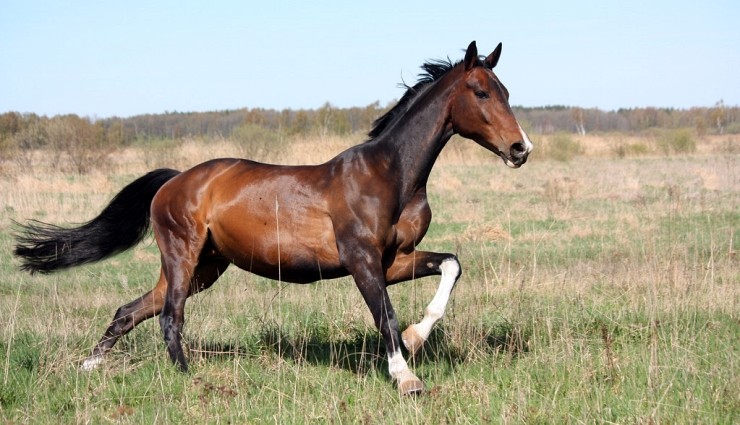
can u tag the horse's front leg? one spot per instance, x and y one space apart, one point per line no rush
421 264
368 275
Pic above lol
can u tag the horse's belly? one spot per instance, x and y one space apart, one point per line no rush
299 251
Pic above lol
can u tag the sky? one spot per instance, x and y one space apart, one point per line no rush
105 58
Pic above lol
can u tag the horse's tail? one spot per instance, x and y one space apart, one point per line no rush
45 248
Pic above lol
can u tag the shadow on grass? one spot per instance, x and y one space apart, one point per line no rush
360 349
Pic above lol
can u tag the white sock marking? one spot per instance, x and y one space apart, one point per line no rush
436 308
397 366
92 362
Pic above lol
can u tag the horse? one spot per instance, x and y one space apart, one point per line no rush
360 214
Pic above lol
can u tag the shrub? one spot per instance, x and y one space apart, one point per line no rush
733 128
677 141
258 143
563 147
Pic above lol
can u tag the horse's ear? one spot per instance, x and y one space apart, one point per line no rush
492 59
471 56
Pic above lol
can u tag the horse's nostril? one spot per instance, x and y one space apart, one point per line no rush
518 150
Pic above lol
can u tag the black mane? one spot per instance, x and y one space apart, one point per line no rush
433 71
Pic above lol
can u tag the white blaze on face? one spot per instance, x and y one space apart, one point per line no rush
528 147
525 139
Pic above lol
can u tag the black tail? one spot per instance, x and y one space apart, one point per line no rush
45 248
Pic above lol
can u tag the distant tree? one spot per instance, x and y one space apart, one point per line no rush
323 119
717 116
254 116
577 114
30 135
10 123
301 124
700 124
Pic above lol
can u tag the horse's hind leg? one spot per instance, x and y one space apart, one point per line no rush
419 264
148 306
183 284
125 319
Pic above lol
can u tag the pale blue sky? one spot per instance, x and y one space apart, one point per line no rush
105 58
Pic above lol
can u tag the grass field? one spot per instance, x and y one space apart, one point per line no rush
603 289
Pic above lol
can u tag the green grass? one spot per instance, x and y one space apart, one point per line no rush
601 301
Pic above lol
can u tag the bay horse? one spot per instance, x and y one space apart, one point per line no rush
361 213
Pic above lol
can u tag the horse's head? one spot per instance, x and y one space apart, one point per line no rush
480 110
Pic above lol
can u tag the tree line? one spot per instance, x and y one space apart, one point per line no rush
719 119
26 131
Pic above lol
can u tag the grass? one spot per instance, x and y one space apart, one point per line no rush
601 290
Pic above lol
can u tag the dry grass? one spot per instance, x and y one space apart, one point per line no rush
602 289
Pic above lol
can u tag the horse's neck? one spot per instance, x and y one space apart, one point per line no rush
415 142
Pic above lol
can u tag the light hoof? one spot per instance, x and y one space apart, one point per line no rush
92 363
411 387
412 340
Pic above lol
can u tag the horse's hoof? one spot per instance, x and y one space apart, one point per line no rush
412 340
92 362
411 387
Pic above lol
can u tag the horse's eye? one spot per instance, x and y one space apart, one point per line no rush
480 94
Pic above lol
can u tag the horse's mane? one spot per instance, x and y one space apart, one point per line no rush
433 71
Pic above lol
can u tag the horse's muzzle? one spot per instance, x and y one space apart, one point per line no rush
518 154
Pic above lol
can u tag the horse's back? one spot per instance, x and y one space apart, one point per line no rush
272 220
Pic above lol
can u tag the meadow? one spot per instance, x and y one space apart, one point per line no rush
600 284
